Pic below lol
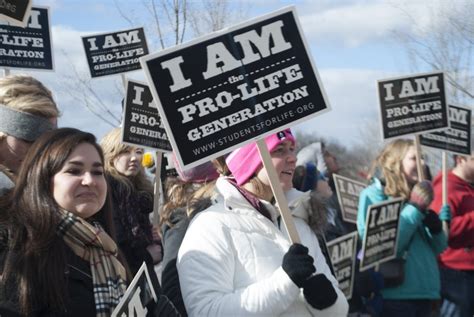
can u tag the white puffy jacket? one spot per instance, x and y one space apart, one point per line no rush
229 263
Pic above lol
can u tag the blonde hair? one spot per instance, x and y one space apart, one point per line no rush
389 164
26 94
112 146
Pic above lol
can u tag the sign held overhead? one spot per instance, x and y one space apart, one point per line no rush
412 105
114 53
231 87
28 47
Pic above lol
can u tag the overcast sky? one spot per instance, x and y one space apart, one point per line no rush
352 43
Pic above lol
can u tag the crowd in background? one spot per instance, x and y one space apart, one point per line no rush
75 226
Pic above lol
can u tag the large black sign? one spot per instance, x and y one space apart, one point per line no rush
139 297
141 123
413 104
348 192
114 53
28 47
343 251
227 89
381 233
15 11
457 138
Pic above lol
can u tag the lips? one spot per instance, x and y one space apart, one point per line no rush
87 195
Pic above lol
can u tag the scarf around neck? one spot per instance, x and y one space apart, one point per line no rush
93 244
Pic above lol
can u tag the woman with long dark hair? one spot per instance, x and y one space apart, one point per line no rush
61 258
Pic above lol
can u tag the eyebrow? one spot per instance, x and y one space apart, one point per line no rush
78 163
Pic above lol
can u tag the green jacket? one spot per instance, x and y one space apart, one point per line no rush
421 267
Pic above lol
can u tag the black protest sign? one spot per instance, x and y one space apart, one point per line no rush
231 87
28 47
457 138
141 124
348 192
138 298
412 104
15 12
343 251
381 233
115 53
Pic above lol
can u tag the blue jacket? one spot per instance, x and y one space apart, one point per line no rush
422 279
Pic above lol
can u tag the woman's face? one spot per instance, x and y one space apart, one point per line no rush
128 163
409 168
80 186
284 161
13 152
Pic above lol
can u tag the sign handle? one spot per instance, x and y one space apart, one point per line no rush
6 72
278 192
124 81
419 166
445 188
157 186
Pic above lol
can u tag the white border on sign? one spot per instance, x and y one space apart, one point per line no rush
127 80
336 176
15 22
366 267
144 59
470 132
50 42
408 77
132 284
352 235
106 33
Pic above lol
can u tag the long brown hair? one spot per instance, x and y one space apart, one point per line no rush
389 167
36 261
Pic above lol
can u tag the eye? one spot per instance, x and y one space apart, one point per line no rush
73 171
98 172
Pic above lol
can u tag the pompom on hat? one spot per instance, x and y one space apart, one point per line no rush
245 161
422 195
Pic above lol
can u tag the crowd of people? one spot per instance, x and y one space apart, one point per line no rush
75 226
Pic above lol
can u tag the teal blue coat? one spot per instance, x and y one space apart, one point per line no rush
421 267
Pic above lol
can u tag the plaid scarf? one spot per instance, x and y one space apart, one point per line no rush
93 244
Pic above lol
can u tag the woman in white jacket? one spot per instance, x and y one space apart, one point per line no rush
234 261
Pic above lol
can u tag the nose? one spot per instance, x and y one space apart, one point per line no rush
291 157
88 179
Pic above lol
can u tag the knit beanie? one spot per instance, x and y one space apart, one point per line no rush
245 161
305 177
199 174
422 194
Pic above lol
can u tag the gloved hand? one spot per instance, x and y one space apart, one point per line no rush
421 195
319 291
445 213
432 222
298 264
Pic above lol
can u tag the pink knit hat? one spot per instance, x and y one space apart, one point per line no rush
202 173
245 161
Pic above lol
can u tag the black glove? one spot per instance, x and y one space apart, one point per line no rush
298 264
319 291
432 222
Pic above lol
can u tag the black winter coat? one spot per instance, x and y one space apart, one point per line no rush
79 297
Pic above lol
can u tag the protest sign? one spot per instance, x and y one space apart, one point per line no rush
412 105
457 138
15 12
138 297
381 233
28 47
141 124
231 87
115 53
348 192
343 251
